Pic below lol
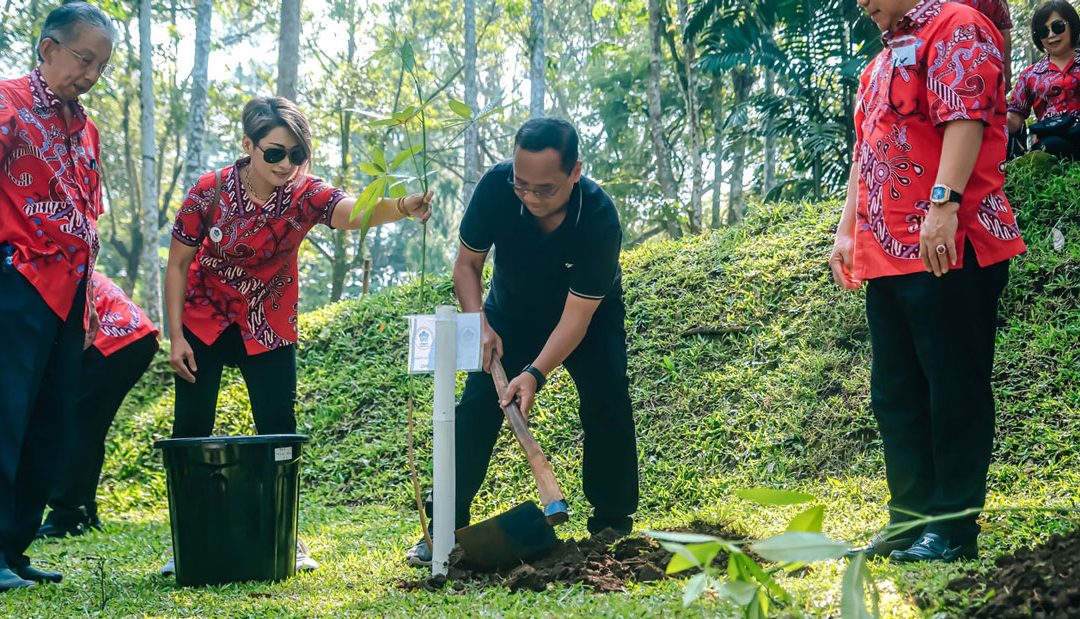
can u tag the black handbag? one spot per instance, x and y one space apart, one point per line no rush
1058 125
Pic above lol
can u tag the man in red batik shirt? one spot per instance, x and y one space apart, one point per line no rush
927 226
50 199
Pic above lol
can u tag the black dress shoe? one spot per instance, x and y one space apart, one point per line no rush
934 547
54 530
880 546
32 573
10 580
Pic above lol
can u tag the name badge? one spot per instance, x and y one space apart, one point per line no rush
215 234
904 56
903 50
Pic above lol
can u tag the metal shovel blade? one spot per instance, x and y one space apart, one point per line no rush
509 538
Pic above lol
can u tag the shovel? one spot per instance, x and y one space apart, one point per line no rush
524 531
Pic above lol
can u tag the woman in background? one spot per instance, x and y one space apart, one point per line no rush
1051 86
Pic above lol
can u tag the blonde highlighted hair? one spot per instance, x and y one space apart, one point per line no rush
263 114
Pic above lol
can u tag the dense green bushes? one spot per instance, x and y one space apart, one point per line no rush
747 366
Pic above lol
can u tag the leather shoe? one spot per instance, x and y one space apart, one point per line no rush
52 530
34 574
934 547
10 580
880 546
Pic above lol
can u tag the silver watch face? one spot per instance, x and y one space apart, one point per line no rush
938 194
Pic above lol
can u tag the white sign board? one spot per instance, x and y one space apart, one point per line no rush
422 343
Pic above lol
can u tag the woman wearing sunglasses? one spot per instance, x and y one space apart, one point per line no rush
1051 86
231 286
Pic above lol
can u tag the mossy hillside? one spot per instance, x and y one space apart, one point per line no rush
747 367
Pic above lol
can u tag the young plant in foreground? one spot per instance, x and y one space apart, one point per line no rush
752 586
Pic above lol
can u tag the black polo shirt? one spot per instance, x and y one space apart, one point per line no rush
534 270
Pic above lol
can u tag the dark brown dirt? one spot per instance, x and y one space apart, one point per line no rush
604 562
1041 582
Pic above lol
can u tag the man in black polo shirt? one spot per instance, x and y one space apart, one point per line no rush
555 299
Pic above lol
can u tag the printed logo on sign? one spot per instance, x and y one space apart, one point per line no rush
468 335
424 337
282 453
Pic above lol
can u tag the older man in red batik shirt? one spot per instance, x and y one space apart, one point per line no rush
50 198
927 226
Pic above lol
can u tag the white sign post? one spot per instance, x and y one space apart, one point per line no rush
443 344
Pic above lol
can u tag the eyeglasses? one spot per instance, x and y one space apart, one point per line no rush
297 156
104 69
1057 27
543 192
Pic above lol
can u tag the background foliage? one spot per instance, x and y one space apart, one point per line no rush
772 83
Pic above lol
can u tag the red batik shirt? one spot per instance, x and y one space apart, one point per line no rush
996 10
50 190
250 276
941 64
1048 90
122 322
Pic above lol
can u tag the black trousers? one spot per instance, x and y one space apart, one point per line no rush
270 379
598 368
933 354
106 381
39 381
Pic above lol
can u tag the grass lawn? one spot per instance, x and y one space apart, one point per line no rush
360 552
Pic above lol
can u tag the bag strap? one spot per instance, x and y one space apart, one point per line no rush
211 212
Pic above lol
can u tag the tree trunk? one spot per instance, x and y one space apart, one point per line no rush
200 88
718 148
472 130
288 49
668 191
4 15
850 16
769 173
537 64
742 79
32 37
133 255
342 260
339 266
151 288
693 121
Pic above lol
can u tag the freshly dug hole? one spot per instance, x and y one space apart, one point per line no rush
1032 582
604 562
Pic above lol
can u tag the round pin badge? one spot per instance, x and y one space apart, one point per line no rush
215 234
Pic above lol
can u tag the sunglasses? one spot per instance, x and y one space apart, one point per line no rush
297 156
1057 27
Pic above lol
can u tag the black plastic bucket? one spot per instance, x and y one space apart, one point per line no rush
233 502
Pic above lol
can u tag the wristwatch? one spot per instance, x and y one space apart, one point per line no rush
537 374
940 195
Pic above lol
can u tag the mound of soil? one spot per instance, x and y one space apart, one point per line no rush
604 562
1032 582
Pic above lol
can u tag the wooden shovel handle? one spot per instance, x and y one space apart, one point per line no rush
545 479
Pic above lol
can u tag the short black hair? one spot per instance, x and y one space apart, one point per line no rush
539 134
1043 13
63 22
